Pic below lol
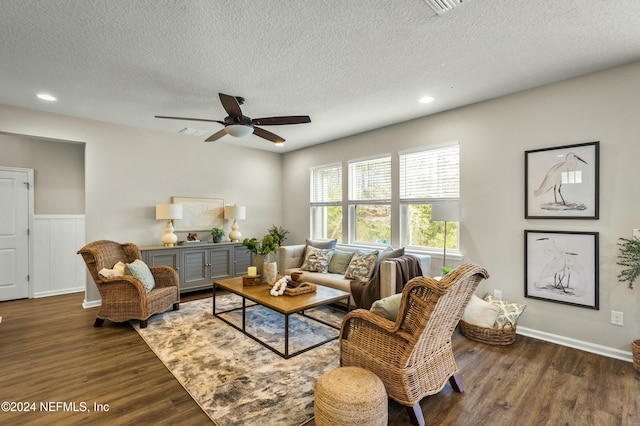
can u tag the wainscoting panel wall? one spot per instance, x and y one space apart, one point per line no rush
57 269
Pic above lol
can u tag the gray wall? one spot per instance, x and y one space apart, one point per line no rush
128 171
58 171
493 136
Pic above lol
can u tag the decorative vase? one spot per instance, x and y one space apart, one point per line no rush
635 350
258 262
269 269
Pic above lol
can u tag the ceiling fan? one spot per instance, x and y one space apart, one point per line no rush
239 125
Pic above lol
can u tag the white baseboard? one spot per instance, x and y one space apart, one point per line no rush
92 304
58 292
577 344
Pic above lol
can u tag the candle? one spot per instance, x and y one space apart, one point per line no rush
252 271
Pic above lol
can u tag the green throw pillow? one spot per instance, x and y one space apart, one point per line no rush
387 307
141 271
340 262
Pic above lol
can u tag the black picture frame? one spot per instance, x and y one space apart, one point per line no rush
562 267
563 182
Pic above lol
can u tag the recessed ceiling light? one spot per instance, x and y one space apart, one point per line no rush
426 100
46 97
279 143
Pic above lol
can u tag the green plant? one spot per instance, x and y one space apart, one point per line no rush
278 232
446 270
629 258
269 244
217 233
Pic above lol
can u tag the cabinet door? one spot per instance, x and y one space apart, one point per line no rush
195 264
220 262
169 258
241 261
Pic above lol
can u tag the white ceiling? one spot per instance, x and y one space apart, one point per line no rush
350 65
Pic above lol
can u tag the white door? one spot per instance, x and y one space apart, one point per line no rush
14 233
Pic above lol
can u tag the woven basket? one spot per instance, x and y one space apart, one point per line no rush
303 288
504 335
635 351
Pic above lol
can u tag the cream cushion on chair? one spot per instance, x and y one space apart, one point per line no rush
481 313
387 307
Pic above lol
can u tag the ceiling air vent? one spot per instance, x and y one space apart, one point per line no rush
443 6
194 132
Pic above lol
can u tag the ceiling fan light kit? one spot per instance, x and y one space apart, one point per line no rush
239 125
238 130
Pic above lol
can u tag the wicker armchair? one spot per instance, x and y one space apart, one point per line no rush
413 356
124 297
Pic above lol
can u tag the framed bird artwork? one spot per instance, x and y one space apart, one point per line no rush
562 267
562 182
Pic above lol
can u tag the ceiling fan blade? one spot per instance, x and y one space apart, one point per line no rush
231 105
265 134
276 121
190 119
217 135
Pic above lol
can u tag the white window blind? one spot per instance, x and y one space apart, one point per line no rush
430 174
370 180
326 184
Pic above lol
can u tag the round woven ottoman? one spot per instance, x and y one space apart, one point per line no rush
350 396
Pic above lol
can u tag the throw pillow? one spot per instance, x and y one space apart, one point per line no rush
116 271
390 253
481 313
322 244
317 260
340 262
387 307
362 265
141 271
509 311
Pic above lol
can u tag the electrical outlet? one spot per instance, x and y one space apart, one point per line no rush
497 294
617 318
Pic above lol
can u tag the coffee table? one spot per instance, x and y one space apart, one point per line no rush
285 305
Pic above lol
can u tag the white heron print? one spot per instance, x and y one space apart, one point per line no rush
562 267
563 272
563 173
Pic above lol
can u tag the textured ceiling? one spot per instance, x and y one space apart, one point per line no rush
350 65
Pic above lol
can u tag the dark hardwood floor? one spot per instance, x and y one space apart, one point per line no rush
50 353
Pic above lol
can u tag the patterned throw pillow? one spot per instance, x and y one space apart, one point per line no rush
141 271
361 265
317 260
508 311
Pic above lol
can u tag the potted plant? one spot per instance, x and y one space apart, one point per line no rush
629 259
278 232
217 234
264 253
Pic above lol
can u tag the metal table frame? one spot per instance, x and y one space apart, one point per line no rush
243 330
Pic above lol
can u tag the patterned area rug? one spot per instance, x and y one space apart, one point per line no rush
234 379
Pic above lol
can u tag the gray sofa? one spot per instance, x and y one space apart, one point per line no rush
291 258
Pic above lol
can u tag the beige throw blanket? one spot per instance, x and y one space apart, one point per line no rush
364 293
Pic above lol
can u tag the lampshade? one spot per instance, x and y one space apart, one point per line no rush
448 211
235 212
168 211
238 130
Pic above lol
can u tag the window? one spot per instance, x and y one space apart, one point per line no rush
428 177
326 202
370 201
388 199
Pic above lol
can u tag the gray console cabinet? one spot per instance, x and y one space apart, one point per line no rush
198 265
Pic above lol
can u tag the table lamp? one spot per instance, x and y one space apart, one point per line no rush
169 212
236 213
448 211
